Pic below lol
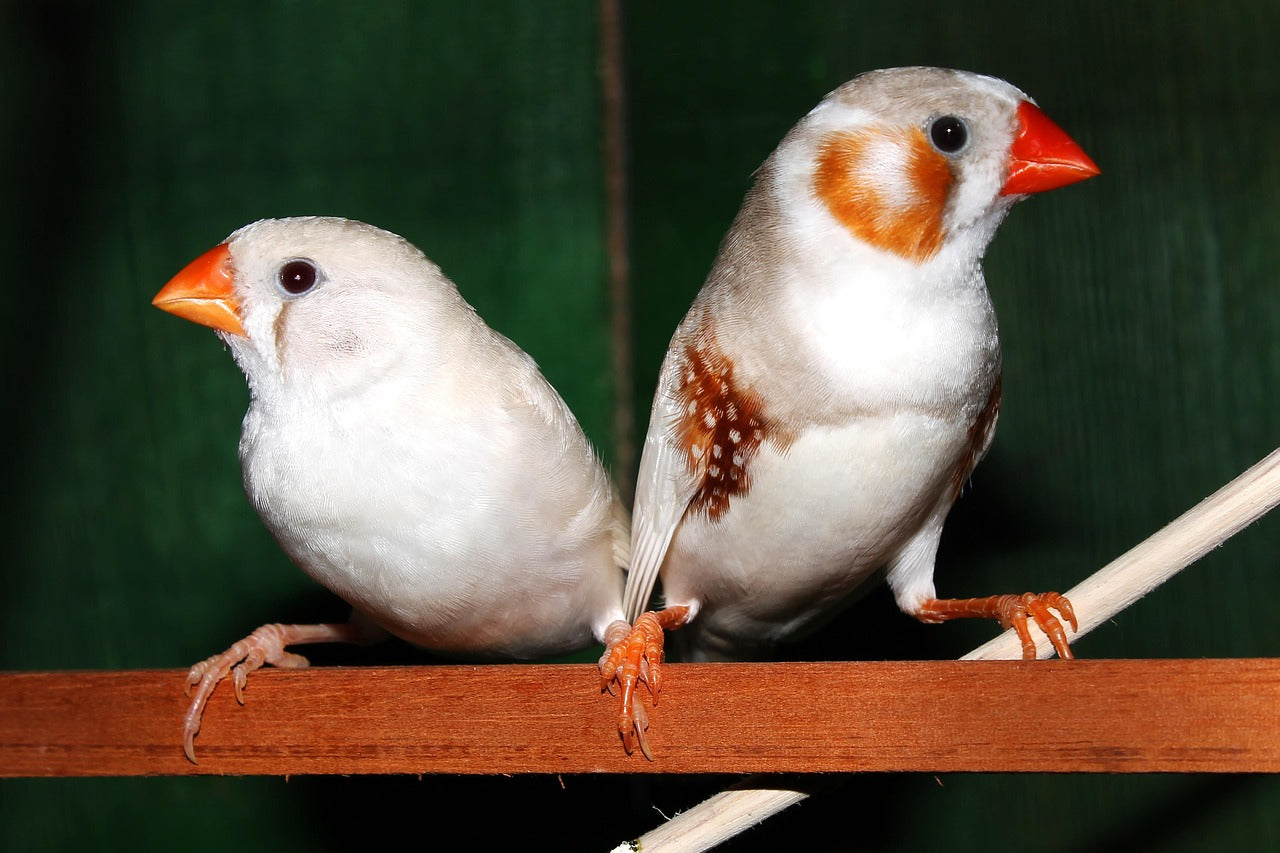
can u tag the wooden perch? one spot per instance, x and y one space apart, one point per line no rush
947 716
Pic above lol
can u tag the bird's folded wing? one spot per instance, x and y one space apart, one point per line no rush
664 487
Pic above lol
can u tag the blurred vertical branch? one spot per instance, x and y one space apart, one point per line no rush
617 226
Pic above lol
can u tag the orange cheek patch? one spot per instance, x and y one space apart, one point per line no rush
720 428
859 186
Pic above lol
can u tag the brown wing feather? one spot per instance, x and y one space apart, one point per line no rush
721 426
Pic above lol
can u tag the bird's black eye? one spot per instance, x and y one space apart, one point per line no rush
297 277
949 134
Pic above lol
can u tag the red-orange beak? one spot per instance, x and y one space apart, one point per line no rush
204 292
1043 156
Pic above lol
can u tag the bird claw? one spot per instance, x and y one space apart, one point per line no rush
1037 606
640 727
634 655
263 646
1012 611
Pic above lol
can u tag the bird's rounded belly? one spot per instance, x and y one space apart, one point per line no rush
444 568
434 590
820 517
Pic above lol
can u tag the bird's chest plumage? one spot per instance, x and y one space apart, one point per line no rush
879 334
413 523
866 406
352 500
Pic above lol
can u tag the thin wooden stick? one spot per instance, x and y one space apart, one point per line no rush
715 820
1096 600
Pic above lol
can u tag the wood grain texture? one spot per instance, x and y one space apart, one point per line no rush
1082 716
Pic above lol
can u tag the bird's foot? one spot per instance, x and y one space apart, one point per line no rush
634 654
1012 612
264 646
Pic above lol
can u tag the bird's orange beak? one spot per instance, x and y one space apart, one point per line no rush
1043 156
204 292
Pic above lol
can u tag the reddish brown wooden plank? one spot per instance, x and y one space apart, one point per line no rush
1091 716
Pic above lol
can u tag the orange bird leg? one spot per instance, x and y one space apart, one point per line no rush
1012 612
634 654
264 646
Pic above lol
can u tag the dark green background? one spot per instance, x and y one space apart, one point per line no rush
1142 350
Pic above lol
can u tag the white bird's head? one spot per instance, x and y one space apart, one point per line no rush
326 303
909 160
